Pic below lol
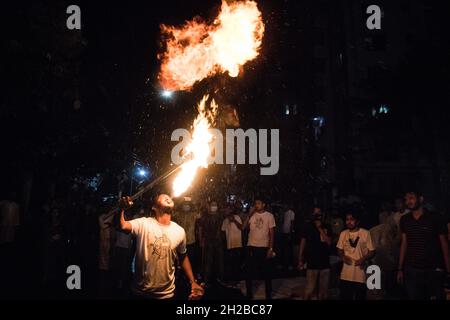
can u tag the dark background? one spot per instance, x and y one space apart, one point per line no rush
77 104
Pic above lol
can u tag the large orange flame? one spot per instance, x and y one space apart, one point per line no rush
198 50
199 149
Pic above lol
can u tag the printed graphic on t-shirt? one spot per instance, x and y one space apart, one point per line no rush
259 223
351 243
161 247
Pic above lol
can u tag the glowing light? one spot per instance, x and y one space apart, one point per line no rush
167 94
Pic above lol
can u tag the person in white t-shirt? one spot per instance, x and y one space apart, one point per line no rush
160 242
232 226
356 249
260 246
286 238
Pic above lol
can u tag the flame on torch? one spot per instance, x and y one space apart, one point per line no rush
199 149
198 50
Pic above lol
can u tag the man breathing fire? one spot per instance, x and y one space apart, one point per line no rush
159 243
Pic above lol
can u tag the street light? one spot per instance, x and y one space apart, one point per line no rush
142 172
167 94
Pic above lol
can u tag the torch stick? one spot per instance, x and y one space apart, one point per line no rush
146 188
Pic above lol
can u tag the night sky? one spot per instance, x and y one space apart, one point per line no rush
81 103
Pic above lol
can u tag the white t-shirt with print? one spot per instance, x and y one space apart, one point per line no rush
363 246
232 232
260 224
157 248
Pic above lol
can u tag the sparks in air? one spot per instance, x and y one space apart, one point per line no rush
199 149
198 50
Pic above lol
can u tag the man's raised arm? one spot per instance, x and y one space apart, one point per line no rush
125 226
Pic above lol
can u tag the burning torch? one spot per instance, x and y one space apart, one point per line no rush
147 187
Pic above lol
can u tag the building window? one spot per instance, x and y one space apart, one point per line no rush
380 110
290 110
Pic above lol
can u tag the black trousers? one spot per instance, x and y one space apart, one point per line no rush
233 264
350 290
258 267
286 250
424 284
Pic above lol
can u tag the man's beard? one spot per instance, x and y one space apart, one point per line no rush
167 210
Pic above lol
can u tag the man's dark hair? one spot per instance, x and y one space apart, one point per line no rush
237 206
354 213
162 207
260 198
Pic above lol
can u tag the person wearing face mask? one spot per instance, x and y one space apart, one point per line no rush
186 216
212 245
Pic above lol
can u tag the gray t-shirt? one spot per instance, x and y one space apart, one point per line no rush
157 248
